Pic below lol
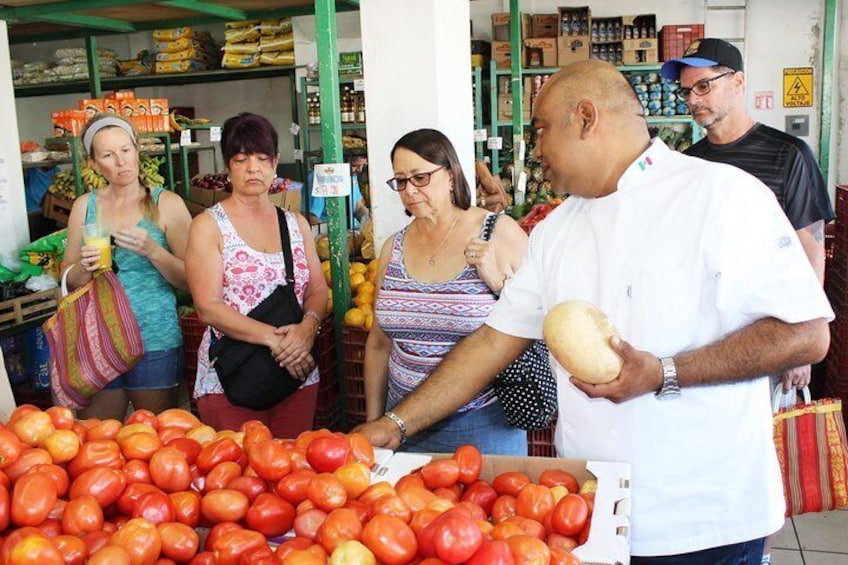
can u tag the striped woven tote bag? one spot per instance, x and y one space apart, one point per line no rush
93 337
813 455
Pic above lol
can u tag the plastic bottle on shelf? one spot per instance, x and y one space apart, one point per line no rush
617 31
594 36
602 31
628 32
360 107
584 24
575 25
566 24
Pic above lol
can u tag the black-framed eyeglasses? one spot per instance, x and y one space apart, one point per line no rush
701 88
417 180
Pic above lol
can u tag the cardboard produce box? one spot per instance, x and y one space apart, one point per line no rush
640 51
501 54
544 25
540 52
288 199
572 49
500 26
609 537
505 107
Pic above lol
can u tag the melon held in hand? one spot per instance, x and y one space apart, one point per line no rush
578 334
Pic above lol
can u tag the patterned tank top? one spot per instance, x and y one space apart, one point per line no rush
250 276
150 294
426 320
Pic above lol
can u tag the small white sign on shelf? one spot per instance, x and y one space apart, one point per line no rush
480 135
359 84
521 147
298 154
294 128
331 179
521 185
494 143
185 137
215 134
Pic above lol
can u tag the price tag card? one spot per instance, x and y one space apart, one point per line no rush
331 179
215 134
521 148
480 135
294 128
359 84
185 137
298 154
494 143
521 185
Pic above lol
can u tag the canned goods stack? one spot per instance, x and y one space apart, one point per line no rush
657 95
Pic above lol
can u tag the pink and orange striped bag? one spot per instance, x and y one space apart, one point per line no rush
813 455
93 337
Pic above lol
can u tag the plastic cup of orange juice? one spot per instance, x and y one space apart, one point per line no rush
96 236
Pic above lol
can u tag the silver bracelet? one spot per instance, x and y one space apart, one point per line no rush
400 424
314 315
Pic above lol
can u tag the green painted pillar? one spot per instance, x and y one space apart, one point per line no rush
331 141
516 48
93 67
826 109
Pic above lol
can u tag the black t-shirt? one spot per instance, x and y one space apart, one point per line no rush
782 162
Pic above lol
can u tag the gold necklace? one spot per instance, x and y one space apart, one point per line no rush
431 260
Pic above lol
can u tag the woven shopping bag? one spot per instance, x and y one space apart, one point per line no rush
93 337
813 455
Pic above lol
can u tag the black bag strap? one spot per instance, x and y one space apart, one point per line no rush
489 226
285 242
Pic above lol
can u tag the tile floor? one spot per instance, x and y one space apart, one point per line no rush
813 539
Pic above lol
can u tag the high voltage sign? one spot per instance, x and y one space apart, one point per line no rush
797 87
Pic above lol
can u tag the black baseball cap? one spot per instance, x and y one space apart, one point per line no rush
707 52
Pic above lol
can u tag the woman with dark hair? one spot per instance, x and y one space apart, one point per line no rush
437 281
234 261
149 226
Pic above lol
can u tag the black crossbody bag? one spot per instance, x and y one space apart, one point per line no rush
527 388
250 376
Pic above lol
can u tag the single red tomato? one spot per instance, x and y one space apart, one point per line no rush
327 453
103 483
340 525
355 477
10 448
29 457
95 541
62 417
561 542
293 544
217 531
96 453
510 482
504 507
229 547
35 550
416 498
104 429
72 548
306 523
155 507
492 552
143 416
529 550
562 557
169 470
326 492
528 526
57 473
449 494
110 555
440 473
534 502
480 493
221 474
293 487
32 427
82 515
137 471
270 515
140 445
391 541
140 539
470 462
352 552
126 502
457 537
250 486
269 459
179 541
555 477
224 505
33 497
190 448
392 506
262 555
177 418
363 511
224 449
186 505
410 480
570 515
361 449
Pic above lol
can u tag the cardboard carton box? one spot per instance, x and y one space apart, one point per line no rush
609 533
127 107
540 52
288 199
572 49
67 123
501 54
640 51
505 112
544 25
158 106
500 26
574 22
92 106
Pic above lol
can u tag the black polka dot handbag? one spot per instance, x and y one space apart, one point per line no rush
527 387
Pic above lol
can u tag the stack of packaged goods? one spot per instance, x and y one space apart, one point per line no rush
183 50
141 65
72 63
35 72
241 46
276 42
17 71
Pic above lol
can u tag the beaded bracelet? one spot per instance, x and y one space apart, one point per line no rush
400 424
314 315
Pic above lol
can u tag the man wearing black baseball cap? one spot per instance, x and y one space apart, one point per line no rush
712 83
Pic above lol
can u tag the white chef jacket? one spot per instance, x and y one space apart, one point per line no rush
684 253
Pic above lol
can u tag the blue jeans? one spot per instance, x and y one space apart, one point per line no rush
156 370
745 553
485 428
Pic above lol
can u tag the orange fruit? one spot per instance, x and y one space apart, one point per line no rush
366 287
363 299
369 321
356 280
358 267
354 317
367 308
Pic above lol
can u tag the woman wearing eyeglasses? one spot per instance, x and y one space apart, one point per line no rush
437 282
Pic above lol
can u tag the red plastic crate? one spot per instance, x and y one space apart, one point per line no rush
540 443
353 344
674 39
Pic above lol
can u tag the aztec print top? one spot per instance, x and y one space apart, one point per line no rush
426 320
250 276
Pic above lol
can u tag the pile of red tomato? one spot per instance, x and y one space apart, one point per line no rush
138 492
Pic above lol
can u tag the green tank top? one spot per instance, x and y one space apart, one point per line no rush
150 294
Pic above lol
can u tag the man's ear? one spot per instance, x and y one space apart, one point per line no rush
587 116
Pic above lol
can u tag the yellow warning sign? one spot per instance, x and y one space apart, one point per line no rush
797 87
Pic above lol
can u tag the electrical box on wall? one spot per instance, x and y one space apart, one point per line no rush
798 125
